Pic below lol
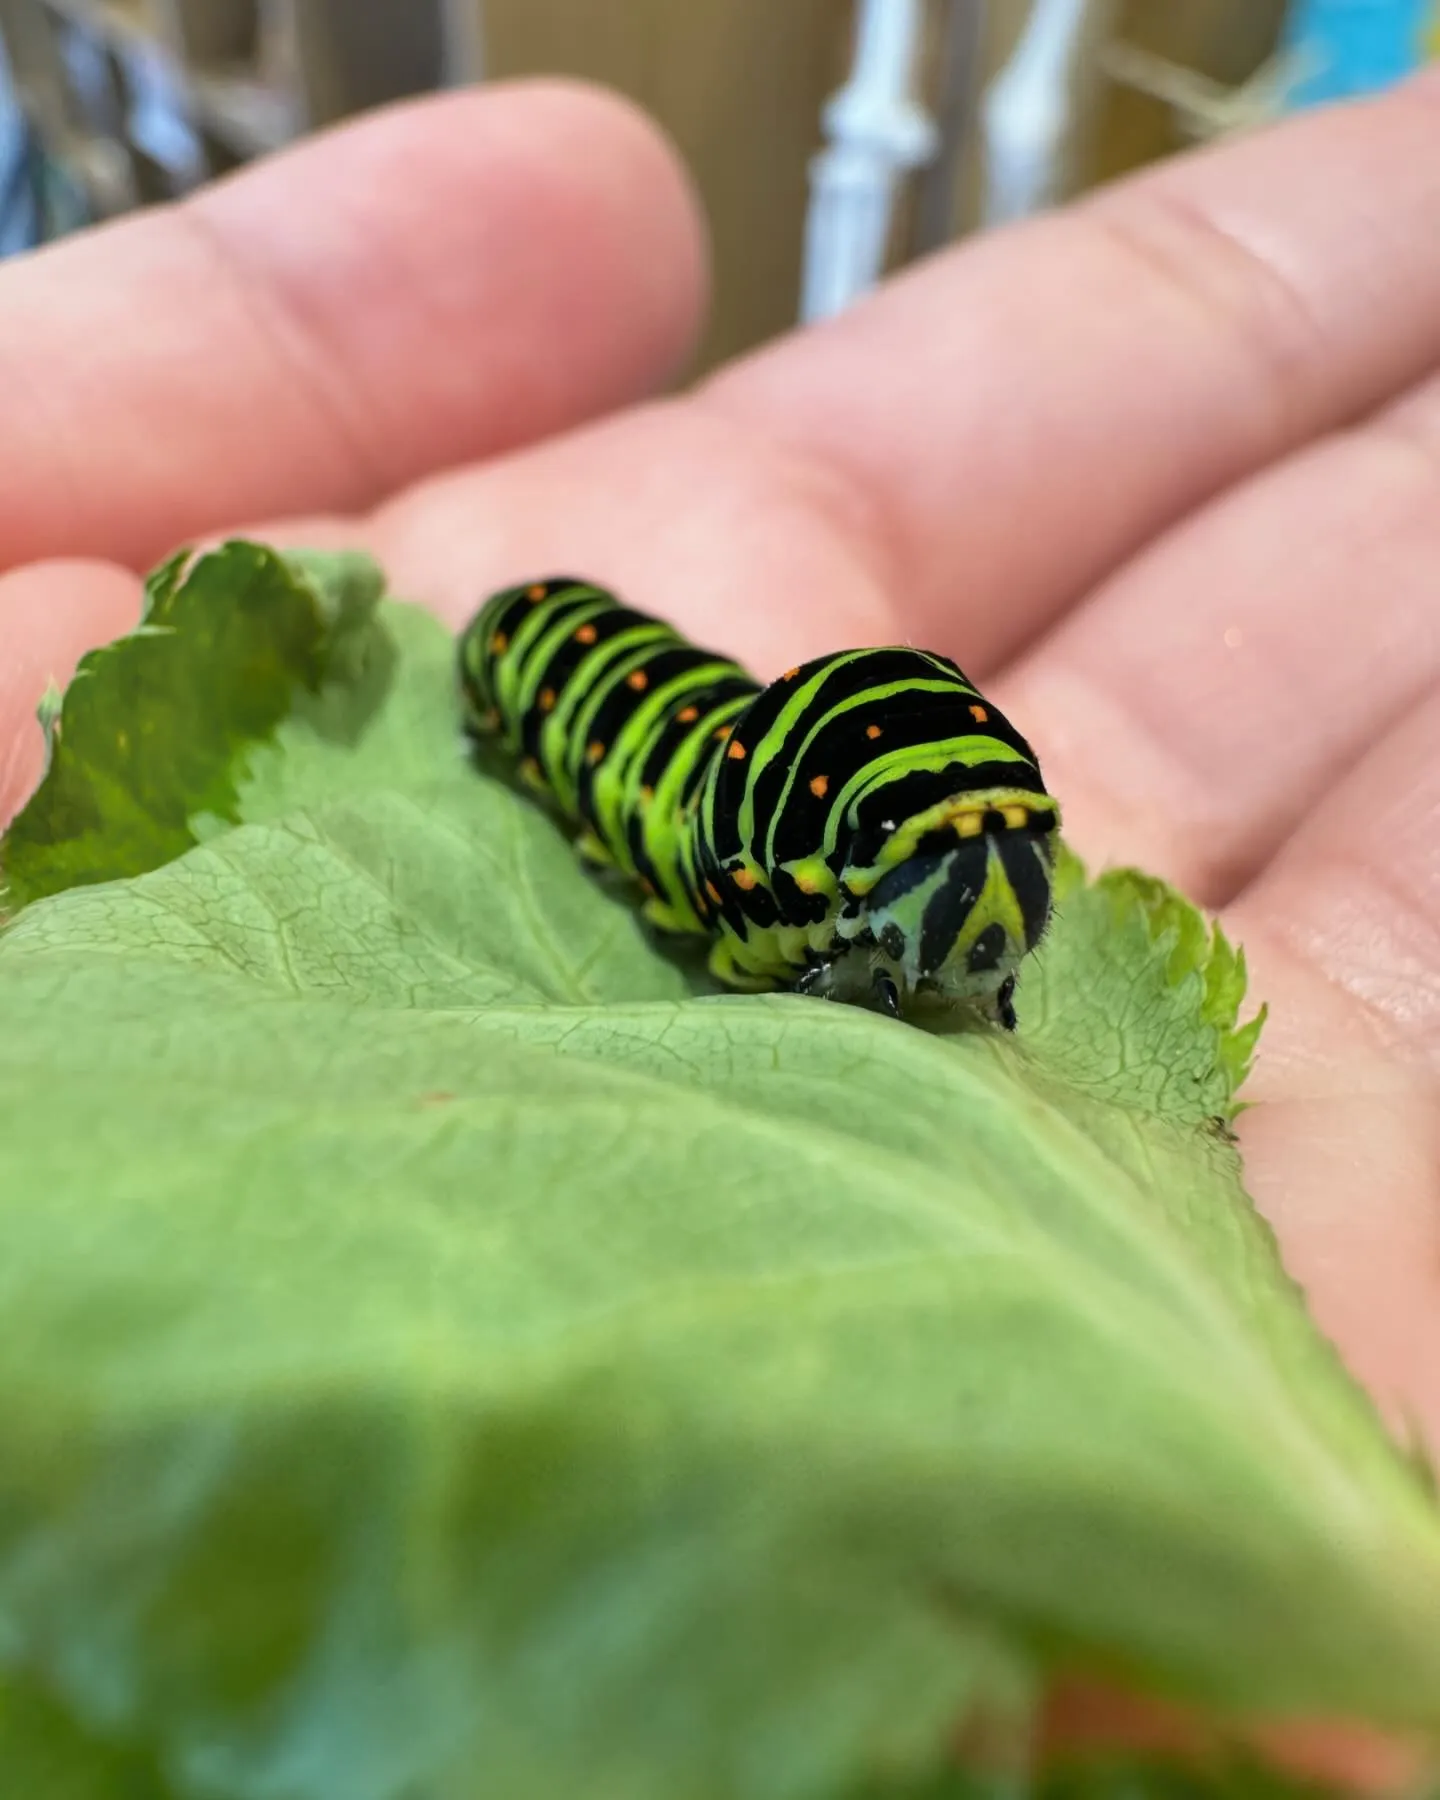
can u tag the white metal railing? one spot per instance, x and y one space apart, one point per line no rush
1030 108
880 134
879 131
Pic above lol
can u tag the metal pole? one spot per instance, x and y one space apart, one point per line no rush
956 110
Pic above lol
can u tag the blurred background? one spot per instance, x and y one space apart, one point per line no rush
832 140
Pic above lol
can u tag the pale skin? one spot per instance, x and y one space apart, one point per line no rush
1162 472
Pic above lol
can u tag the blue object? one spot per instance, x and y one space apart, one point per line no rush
19 225
1361 45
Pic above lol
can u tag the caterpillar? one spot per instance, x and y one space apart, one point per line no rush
867 828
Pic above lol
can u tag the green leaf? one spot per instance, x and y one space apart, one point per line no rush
44 1755
445 1351
153 729
1183 1059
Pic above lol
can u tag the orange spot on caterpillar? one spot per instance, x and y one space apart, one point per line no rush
790 674
535 593
724 731
820 786
807 884
713 892
872 731
594 752
587 634
498 644
745 879
647 792
547 699
637 679
979 714
736 752
687 715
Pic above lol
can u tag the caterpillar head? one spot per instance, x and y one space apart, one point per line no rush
956 908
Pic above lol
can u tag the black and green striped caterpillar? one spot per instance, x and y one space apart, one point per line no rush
868 827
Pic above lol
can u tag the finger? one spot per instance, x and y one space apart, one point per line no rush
739 513
1342 932
1197 706
1084 1720
1003 426
1355 893
740 545
438 282
50 615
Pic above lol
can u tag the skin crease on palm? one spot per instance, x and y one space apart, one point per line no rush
1162 470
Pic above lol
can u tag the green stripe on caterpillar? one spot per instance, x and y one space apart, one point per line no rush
868 827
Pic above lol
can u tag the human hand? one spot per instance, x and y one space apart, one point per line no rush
1159 471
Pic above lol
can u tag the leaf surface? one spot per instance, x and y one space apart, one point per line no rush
447 1352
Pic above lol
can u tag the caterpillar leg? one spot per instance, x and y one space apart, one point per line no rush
724 967
832 982
480 721
814 980
665 918
886 993
589 849
528 772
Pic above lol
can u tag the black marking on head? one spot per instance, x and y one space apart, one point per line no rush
935 844
1022 857
895 883
988 948
892 941
951 905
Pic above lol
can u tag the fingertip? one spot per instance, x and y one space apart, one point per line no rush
436 283
1084 1719
544 260
646 181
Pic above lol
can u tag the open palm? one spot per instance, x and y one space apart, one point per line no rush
1161 471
